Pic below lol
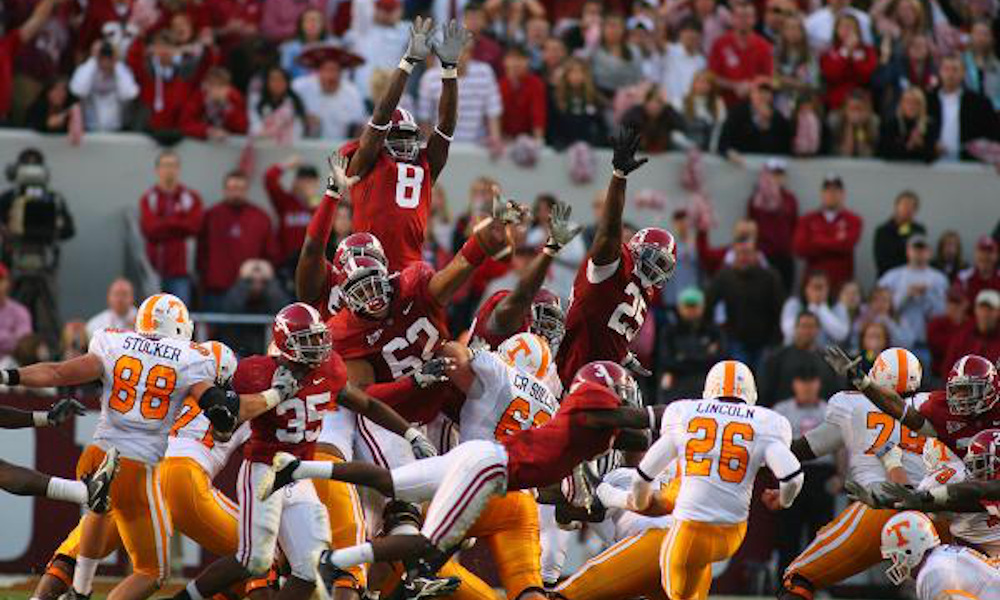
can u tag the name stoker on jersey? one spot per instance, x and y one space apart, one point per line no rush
605 314
503 401
864 429
399 344
145 381
721 446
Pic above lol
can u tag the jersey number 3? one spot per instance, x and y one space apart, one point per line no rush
733 457
409 181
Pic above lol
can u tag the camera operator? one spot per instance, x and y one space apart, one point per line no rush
34 219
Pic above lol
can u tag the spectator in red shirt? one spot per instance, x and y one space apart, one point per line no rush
984 272
942 329
10 45
740 56
981 335
848 64
523 94
163 87
215 111
294 206
775 209
232 232
170 214
825 239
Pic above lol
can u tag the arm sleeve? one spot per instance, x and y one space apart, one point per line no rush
83 78
127 88
824 439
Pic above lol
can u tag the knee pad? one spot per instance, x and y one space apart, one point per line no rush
401 515
795 587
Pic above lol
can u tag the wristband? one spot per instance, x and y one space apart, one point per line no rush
411 434
40 418
271 398
551 250
447 138
11 377
642 474
406 66
618 173
893 459
473 252
449 72
939 494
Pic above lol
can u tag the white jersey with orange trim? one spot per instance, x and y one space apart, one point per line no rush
978 529
191 437
722 444
854 423
502 400
145 382
628 523
957 573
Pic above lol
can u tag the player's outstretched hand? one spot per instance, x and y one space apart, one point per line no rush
284 382
454 38
845 366
63 410
419 45
421 446
878 496
337 181
631 362
433 371
224 416
561 229
625 143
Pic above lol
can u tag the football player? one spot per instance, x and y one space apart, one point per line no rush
146 375
392 197
846 545
966 406
92 491
722 441
941 571
615 284
313 381
602 404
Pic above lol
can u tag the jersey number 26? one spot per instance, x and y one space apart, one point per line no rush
733 456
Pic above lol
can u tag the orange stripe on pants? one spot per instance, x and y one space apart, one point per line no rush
688 552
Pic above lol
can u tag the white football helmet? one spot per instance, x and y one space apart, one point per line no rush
730 379
528 353
897 369
164 315
225 361
906 538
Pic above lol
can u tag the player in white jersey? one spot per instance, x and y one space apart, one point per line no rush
723 440
942 571
146 375
872 440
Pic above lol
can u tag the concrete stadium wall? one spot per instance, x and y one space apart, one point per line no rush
104 177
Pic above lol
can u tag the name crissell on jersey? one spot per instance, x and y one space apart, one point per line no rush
502 401
864 429
721 445
191 437
145 381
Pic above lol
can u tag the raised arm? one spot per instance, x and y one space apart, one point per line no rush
373 136
454 39
76 371
606 247
61 411
378 412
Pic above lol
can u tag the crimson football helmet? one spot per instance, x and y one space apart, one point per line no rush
982 458
547 317
365 286
972 386
403 140
358 244
612 376
655 254
301 336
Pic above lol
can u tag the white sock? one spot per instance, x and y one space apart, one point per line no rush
192 591
83 574
313 469
69 490
352 556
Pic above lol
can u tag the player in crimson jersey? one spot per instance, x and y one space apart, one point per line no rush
392 198
615 285
602 404
313 381
969 403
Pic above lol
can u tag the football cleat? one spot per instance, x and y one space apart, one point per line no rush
278 476
75 595
99 483
329 574
429 586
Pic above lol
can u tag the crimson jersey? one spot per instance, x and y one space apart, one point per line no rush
603 317
400 343
330 302
480 327
544 455
954 431
392 202
292 426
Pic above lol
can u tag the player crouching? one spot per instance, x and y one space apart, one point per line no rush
603 400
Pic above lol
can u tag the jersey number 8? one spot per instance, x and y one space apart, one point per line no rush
733 457
159 384
409 181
